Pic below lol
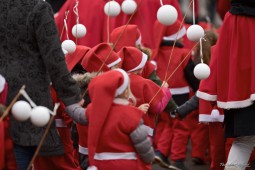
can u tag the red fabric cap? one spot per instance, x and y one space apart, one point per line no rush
100 56
76 57
102 91
128 37
133 59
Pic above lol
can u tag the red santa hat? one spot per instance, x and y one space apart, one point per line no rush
76 57
102 90
131 36
100 56
133 59
163 32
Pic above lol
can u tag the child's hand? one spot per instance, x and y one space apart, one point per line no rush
144 107
165 84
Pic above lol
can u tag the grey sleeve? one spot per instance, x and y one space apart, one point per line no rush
188 106
142 143
77 113
48 42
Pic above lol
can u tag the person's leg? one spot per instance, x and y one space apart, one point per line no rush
23 155
240 153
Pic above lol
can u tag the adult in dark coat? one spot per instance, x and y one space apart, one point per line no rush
31 55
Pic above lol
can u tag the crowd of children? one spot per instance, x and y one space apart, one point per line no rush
128 95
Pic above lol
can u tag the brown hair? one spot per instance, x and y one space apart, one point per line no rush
210 40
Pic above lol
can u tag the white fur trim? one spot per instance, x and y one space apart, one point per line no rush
252 97
206 96
83 150
234 104
2 83
214 117
176 36
138 41
155 64
92 168
114 63
181 90
124 85
115 156
142 63
120 101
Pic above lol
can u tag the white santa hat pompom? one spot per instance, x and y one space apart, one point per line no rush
128 6
202 71
167 15
112 8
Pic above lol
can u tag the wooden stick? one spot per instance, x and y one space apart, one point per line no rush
43 138
6 112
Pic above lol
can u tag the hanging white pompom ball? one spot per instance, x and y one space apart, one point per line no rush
202 71
79 31
195 32
112 8
69 46
128 6
40 116
21 110
167 14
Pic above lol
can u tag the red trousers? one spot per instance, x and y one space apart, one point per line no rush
163 134
186 129
59 162
217 145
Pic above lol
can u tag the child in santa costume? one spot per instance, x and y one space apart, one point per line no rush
179 84
233 87
7 159
130 35
63 122
144 89
117 137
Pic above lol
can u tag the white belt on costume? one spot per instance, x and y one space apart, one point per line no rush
83 150
60 123
181 90
149 130
115 156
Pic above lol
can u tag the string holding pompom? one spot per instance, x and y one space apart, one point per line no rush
202 71
78 30
167 15
112 8
195 32
128 6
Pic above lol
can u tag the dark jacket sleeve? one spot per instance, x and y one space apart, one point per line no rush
142 143
189 75
188 106
49 46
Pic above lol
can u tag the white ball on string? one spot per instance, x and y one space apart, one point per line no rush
202 71
40 116
167 15
21 110
64 51
195 32
69 46
79 30
112 8
128 6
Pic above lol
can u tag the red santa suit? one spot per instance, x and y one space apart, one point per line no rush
111 122
144 89
179 84
7 158
91 15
